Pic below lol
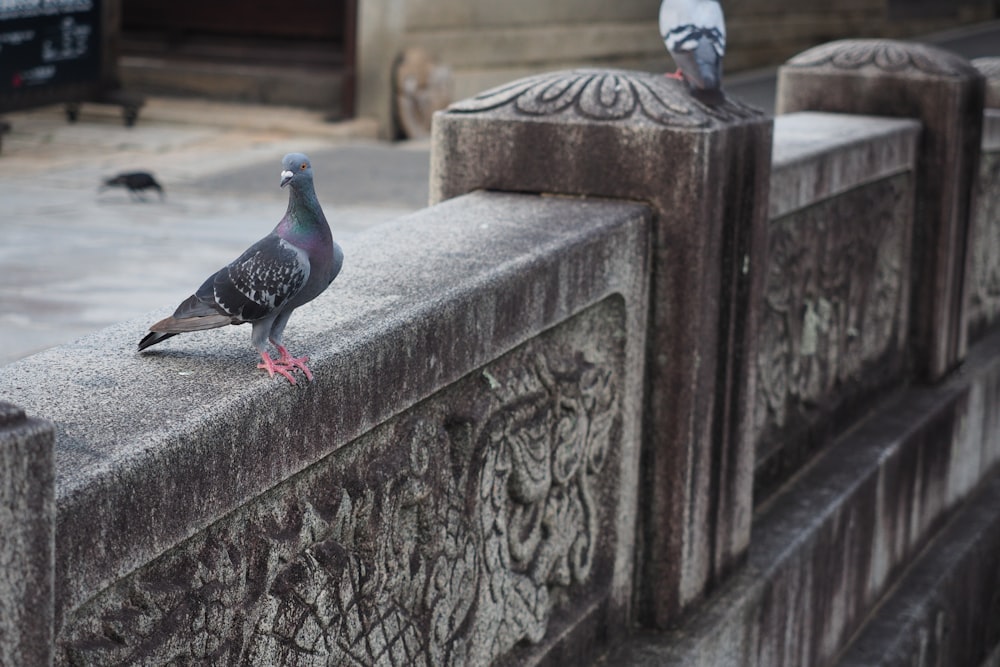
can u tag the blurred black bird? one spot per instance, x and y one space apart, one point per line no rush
136 182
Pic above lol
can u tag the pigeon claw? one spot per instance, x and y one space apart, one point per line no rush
290 362
273 366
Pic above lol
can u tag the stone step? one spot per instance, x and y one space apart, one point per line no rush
313 87
946 608
827 547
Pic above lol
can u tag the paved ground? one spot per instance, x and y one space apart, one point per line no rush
73 260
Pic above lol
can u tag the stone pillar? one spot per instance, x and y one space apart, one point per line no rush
982 298
943 91
27 538
704 170
990 69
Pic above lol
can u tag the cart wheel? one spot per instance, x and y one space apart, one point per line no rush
130 114
72 112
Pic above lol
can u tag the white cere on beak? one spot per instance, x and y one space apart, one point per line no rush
286 176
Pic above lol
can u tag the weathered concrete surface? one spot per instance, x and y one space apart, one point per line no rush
154 448
834 318
836 538
946 609
27 538
817 155
990 69
943 91
983 285
482 523
704 170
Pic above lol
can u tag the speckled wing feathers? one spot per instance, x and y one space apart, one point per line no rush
250 288
258 282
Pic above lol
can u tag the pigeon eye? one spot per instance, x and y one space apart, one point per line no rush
303 166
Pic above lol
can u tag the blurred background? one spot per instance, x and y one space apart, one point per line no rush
208 96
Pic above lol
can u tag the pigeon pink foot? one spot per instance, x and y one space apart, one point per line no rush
287 360
273 366
676 75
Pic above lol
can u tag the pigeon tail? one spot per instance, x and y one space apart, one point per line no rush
176 325
171 326
152 338
701 66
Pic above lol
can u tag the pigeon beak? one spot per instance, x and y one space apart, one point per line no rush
286 176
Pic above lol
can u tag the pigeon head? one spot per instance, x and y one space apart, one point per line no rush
295 169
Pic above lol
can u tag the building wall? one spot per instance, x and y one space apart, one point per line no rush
486 43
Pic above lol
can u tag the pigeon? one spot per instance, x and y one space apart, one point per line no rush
695 34
284 270
135 182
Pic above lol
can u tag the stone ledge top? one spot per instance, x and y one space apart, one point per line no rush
151 448
991 130
602 96
885 57
990 69
817 155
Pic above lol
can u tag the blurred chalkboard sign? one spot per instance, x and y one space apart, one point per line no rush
54 51
46 43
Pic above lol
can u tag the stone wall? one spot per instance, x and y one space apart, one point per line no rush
458 484
835 317
984 244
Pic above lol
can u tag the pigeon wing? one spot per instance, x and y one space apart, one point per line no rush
258 282
250 288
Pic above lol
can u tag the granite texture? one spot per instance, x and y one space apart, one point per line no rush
27 538
156 449
945 93
946 609
704 170
819 155
834 321
990 69
983 285
842 533
457 533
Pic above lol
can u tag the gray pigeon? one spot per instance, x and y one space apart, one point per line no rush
695 34
287 268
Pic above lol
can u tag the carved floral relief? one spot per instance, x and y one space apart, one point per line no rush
451 535
834 307
885 55
606 95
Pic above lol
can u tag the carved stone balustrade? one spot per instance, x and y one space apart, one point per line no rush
983 285
27 538
704 170
834 323
457 486
944 92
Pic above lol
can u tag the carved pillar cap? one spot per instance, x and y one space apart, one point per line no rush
990 69
885 57
605 95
